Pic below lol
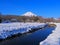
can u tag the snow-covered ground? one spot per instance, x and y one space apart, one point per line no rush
54 38
8 29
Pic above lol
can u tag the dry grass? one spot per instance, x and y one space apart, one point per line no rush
52 25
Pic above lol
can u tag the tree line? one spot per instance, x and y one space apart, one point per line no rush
27 18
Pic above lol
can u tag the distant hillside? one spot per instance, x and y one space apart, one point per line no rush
27 17
14 18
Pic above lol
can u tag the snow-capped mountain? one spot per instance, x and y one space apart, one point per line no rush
30 14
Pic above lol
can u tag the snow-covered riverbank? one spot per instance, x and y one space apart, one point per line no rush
8 29
11 26
54 38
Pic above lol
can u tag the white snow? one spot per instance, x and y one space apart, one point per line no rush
29 14
54 38
8 29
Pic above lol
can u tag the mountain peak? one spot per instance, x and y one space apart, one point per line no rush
29 14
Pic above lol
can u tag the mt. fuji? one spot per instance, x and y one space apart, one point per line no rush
30 14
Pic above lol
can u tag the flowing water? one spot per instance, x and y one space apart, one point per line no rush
30 39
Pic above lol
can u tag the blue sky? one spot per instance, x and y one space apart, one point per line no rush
45 8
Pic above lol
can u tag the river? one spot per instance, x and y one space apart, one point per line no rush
29 39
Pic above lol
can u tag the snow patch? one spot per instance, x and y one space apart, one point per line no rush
54 38
8 29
